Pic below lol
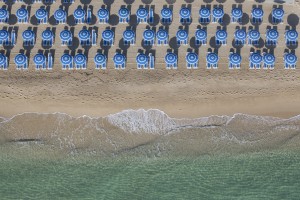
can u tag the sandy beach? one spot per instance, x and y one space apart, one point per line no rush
179 93
150 134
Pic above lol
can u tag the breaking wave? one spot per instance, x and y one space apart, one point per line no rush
150 132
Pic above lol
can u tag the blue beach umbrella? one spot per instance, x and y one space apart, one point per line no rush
107 35
269 60
192 59
124 15
3 61
28 35
240 36
42 15
80 60
142 60
84 34
221 37
236 15
235 59
291 37
142 15
253 37
272 36
119 60
200 36
79 15
171 60
22 15
257 15
212 58
21 61
100 60
166 15
185 15
66 37
182 37
255 60
204 14
4 36
4 14
129 37
103 15
162 36
218 14
47 37
60 15
254 34
149 36
39 60
290 59
277 15
66 59
84 37
142 12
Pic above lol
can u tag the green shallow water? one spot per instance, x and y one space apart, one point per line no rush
270 175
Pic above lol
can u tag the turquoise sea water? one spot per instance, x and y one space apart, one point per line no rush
148 155
267 175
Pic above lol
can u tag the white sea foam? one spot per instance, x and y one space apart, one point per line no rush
150 131
139 121
154 121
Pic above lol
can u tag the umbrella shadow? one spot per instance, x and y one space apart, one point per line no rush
171 1
293 20
113 20
129 2
108 2
85 2
147 1
245 19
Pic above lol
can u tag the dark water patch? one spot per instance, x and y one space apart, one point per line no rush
26 140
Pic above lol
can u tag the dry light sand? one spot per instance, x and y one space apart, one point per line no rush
180 93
